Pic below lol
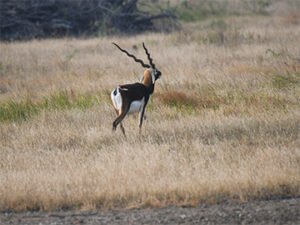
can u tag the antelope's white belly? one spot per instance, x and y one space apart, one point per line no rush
136 106
117 101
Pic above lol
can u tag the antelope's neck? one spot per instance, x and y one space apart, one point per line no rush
147 81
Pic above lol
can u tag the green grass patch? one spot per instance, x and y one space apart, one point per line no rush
286 81
15 111
23 110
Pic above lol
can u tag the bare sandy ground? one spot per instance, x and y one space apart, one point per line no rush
279 211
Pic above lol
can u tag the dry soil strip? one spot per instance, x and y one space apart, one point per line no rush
279 211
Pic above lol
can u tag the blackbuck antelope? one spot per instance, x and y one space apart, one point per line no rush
133 98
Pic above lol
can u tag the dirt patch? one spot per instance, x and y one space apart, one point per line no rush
279 211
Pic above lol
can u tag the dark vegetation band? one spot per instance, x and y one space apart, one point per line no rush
27 19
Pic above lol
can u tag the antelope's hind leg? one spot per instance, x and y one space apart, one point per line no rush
118 120
122 129
114 123
121 125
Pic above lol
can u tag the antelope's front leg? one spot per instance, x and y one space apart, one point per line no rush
142 115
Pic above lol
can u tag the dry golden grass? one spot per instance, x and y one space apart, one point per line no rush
223 122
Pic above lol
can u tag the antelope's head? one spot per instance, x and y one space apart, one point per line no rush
151 74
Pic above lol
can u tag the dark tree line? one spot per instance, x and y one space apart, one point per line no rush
26 19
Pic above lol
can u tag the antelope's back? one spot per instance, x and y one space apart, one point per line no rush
135 91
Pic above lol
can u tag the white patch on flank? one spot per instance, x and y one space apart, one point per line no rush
116 99
136 106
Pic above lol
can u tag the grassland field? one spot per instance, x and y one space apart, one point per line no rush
223 122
